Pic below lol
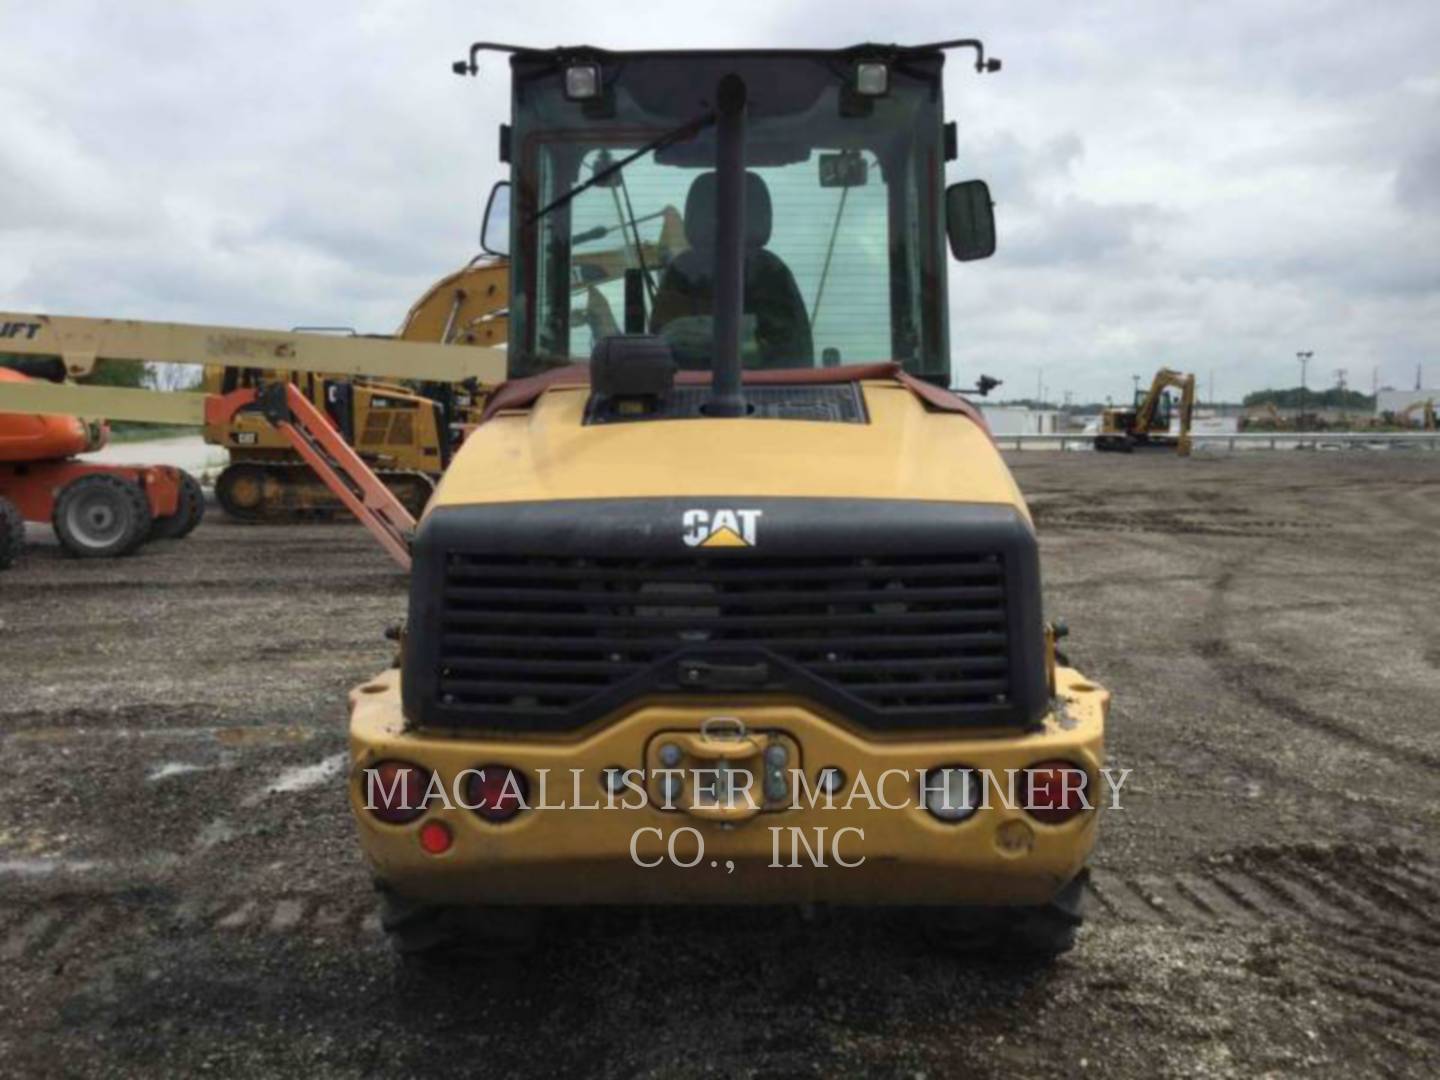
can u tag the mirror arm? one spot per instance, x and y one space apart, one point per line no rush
471 66
983 386
982 65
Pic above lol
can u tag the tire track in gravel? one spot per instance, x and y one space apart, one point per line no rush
1252 678
1377 903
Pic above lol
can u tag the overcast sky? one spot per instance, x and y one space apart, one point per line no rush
1211 186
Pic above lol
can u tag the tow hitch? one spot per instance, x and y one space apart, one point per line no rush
722 772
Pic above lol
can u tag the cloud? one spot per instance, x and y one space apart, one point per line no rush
1206 186
1417 182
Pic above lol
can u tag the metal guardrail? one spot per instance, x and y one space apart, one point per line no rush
1248 440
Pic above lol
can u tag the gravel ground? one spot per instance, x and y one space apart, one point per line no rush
180 891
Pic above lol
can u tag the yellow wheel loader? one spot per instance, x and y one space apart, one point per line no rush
728 600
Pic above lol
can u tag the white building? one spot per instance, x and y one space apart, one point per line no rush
1018 420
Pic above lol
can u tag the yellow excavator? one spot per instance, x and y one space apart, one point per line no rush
1426 409
1148 423
405 431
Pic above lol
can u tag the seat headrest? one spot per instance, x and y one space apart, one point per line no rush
700 212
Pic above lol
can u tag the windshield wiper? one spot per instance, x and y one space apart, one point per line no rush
680 134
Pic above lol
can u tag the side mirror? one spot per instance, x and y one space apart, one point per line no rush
495 232
970 220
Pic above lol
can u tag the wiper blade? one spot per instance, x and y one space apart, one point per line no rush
680 134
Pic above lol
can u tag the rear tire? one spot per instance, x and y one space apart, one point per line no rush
1038 933
12 533
434 933
100 516
189 510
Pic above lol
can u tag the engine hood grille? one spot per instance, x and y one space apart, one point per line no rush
893 615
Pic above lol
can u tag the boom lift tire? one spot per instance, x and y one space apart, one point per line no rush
12 533
100 517
430 933
188 513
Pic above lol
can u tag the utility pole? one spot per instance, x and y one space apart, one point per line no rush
1135 388
1304 358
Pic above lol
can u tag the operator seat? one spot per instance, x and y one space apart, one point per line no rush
687 288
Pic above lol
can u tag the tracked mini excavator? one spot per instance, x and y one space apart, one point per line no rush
1148 423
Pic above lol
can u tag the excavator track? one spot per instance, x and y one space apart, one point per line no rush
282 492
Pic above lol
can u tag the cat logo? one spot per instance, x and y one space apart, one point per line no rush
720 528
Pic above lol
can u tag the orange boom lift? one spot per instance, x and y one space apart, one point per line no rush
97 510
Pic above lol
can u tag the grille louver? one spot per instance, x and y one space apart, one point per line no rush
913 639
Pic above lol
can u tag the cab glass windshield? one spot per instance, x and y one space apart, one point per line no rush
844 258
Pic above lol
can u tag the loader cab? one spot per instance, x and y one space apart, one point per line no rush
610 218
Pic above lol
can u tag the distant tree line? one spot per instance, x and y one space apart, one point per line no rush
1295 398
132 373
106 373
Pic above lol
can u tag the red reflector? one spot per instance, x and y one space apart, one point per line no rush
497 792
394 791
1055 791
435 837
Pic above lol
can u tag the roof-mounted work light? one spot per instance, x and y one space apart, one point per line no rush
582 81
872 78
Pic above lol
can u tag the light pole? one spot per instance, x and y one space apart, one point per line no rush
1304 358
1134 387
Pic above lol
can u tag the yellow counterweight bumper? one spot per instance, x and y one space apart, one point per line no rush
872 841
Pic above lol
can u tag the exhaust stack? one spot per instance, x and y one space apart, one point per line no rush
727 393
